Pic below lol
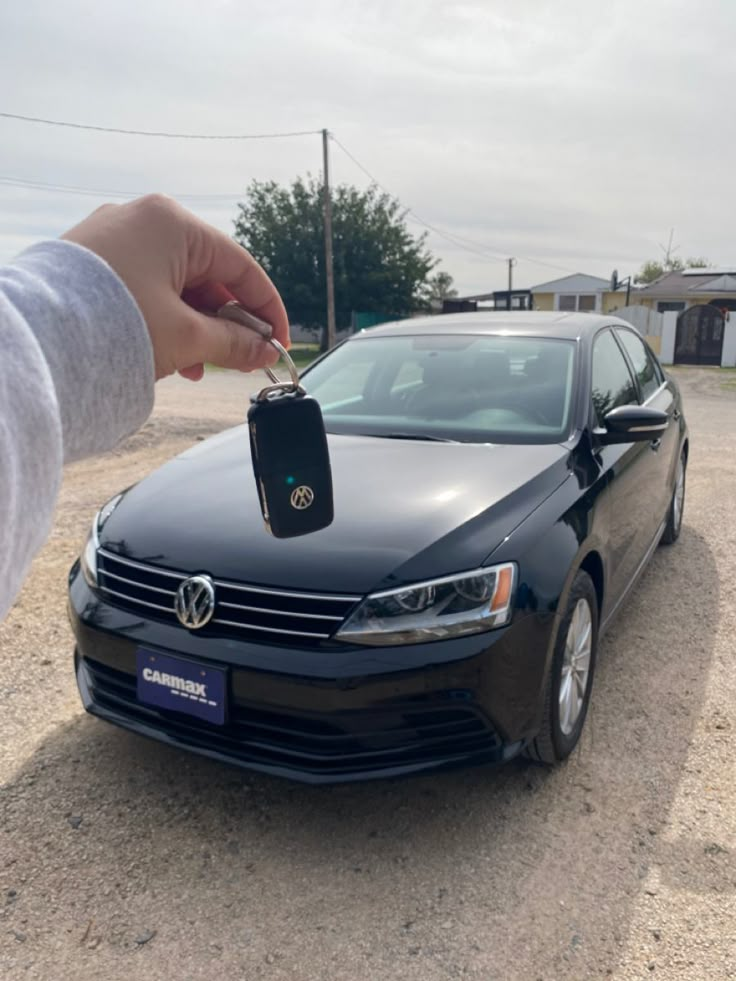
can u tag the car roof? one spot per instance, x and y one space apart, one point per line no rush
534 323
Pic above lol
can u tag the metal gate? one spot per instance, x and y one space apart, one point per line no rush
699 336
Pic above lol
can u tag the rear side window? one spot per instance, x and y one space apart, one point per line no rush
612 381
645 367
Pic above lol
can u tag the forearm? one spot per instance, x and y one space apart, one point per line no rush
76 376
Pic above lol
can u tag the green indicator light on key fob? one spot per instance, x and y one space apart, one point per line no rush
290 480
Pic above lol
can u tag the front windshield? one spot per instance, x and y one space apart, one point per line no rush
472 388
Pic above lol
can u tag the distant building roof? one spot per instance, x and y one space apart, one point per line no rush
576 283
721 284
714 271
689 281
491 296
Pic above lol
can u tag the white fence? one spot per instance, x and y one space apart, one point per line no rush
728 355
646 321
660 330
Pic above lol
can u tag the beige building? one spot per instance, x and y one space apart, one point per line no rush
578 292
681 290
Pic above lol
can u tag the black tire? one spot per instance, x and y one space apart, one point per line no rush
674 522
551 744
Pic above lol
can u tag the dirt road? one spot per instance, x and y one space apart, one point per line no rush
122 859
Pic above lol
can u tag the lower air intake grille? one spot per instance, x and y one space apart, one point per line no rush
400 734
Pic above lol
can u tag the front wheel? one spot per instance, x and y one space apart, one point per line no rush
571 677
677 504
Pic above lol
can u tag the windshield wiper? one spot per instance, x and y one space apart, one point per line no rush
419 436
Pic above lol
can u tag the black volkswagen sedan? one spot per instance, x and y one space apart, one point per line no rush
500 481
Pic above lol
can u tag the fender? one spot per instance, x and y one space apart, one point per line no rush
551 546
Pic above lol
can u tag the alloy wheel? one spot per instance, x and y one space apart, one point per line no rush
679 499
575 666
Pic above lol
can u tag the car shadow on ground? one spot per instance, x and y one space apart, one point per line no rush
507 868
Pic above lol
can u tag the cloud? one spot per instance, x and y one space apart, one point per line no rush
573 133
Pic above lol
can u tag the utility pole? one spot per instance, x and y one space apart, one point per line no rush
329 272
512 263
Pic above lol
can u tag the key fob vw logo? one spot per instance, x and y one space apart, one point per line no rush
302 497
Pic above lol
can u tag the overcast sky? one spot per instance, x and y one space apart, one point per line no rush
574 133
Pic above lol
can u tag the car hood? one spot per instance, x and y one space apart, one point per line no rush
404 510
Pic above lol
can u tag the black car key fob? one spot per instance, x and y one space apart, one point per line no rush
288 445
291 463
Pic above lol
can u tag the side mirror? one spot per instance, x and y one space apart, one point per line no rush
632 424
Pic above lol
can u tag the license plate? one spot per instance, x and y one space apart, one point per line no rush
183 686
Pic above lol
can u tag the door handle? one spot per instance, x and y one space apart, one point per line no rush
655 444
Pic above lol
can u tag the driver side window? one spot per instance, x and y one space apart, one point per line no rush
612 382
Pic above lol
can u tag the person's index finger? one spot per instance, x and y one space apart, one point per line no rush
228 263
207 297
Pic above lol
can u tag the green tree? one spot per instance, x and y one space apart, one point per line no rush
652 269
379 266
439 287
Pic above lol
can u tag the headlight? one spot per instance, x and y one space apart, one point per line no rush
467 603
88 558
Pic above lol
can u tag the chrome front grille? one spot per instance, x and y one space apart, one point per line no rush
241 610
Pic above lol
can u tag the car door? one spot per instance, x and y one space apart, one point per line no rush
656 392
630 468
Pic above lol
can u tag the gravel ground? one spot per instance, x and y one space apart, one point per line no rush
123 859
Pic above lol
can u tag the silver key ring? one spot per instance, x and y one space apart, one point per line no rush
233 311
281 387
289 364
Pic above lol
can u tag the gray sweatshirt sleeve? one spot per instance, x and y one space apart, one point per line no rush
76 376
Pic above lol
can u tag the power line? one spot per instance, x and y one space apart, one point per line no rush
357 163
548 265
165 135
471 246
449 236
11 181
107 192
457 240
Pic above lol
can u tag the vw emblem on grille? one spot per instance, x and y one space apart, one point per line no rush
195 602
302 497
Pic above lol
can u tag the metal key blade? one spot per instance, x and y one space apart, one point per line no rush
232 310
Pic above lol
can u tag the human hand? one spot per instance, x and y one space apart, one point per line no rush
180 272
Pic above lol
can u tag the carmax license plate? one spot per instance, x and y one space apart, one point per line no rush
183 686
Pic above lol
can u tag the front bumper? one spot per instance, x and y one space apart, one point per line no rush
328 715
